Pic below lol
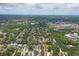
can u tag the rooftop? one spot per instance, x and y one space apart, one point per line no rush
73 35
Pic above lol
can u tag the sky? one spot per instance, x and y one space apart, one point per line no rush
40 8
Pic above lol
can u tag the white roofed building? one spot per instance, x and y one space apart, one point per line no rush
73 35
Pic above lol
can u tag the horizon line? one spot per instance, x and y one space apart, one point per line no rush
37 14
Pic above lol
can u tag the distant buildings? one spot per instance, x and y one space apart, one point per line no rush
65 25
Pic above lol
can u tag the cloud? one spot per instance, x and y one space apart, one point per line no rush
39 8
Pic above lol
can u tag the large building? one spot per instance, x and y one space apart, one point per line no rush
73 35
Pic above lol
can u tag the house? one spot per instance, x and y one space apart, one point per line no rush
1 33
